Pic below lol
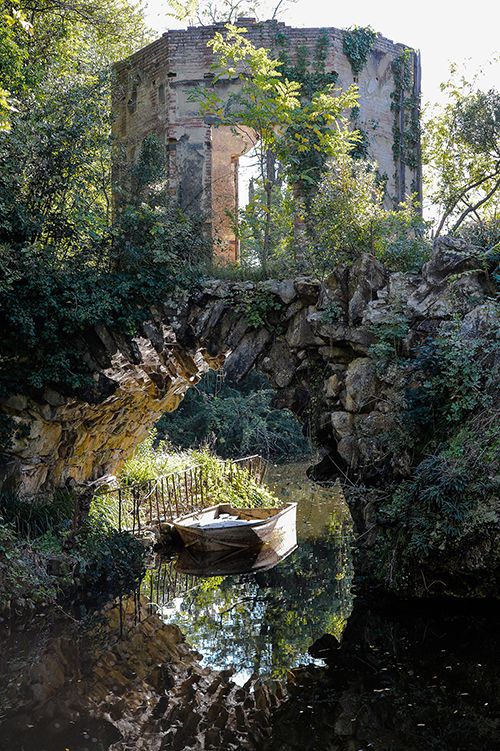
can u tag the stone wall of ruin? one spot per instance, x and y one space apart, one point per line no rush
152 95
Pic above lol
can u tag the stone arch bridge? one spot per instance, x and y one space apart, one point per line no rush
311 338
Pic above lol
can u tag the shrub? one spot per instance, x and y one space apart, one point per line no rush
349 218
109 561
225 483
24 582
443 520
444 514
238 419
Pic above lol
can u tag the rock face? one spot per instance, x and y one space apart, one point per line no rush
312 339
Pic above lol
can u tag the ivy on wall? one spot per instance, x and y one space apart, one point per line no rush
357 44
361 148
406 107
311 74
310 71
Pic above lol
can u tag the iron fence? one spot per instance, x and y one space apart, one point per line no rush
148 504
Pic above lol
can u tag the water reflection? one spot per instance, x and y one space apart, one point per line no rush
223 563
400 679
259 612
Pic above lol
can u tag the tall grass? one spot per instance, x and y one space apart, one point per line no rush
152 459
236 487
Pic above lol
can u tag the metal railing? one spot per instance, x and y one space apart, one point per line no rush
148 504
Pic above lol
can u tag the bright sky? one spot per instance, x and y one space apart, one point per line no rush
444 30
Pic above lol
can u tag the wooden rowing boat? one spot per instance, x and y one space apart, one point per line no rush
225 527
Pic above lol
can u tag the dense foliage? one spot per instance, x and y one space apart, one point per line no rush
350 218
462 154
67 260
346 218
238 419
42 561
65 269
446 512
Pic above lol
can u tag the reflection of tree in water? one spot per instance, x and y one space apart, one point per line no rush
265 622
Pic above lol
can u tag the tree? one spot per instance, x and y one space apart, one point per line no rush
295 129
55 159
239 418
207 12
13 26
462 154
349 219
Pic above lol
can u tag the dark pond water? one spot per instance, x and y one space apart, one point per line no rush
262 675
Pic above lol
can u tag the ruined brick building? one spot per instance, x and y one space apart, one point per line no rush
152 95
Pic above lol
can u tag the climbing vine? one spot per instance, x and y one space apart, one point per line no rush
405 105
312 75
357 44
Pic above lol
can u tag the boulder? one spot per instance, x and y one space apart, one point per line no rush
366 277
361 384
333 384
300 333
450 255
241 360
280 363
282 288
308 289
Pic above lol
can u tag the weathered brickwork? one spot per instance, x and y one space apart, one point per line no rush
152 95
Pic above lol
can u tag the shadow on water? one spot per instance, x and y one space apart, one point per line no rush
282 658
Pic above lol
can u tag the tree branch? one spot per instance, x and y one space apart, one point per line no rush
475 207
462 193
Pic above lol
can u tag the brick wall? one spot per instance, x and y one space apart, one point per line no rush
152 95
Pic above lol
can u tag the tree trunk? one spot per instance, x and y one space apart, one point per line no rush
299 227
269 183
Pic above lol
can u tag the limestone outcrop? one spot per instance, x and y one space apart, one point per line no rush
313 339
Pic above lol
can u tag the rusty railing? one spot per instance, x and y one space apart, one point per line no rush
151 503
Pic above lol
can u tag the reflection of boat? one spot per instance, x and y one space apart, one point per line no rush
223 563
224 527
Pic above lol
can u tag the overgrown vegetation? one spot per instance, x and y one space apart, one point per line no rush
315 202
357 43
225 483
405 105
67 260
299 129
43 561
350 218
64 269
71 259
237 420
446 512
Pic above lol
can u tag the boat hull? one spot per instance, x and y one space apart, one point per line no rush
255 532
